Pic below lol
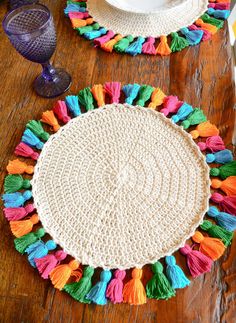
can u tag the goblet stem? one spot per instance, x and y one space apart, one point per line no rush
49 72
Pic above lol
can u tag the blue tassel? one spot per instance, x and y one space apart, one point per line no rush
182 113
220 157
136 47
131 92
95 33
72 103
225 220
72 7
193 36
175 274
222 14
16 199
39 249
30 139
97 293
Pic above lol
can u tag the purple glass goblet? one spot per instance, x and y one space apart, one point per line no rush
17 3
31 31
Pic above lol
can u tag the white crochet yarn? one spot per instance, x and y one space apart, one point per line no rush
121 187
169 17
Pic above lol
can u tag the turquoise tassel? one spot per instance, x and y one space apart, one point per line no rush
193 36
175 274
95 33
73 7
97 293
131 92
16 199
30 139
72 103
182 113
136 47
225 220
39 249
221 157
222 14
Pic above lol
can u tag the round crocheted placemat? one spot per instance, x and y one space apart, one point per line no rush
127 178
120 186
135 28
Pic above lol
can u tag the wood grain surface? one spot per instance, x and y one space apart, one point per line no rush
202 76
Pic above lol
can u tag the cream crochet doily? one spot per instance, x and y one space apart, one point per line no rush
121 187
170 18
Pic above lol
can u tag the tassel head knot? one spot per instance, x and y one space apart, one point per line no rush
186 250
137 273
198 237
216 183
51 245
60 255
73 264
119 274
105 276
88 272
157 268
170 260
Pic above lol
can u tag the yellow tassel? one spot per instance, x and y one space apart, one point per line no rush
20 228
99 94
108 46
49 118
18 167
163 48
156 98
134 291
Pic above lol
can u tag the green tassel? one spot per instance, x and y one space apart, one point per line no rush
159 286
144 94
217 232
86 98
37 128
196 117
14 183
213 21
224 171
85 29
122 44
80 289
22 243
178 43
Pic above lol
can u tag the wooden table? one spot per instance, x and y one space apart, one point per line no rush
202 76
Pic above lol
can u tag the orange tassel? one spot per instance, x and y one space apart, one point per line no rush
49 118
156 98
211 247
61 274
134 292
205 129
77 23
18 167
99 94
205 26
163 48
108 46
228 185
20 228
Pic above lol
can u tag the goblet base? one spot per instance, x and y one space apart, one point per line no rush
52 88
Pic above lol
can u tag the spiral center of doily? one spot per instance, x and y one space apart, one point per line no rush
120 187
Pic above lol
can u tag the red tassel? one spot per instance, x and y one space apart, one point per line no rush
171 104
18 213
46 264
113 90
148 47
197 262
60 110
115 288
214 144
26 151
227 203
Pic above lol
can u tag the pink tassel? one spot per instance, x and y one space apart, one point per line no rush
18 213
227 203
46 264
113 90
214 144
148 47
115 288
103 39
78 15
26 151
219 6
60 110
197 262
171 104
206 34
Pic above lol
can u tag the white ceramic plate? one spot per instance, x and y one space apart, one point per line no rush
144 6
